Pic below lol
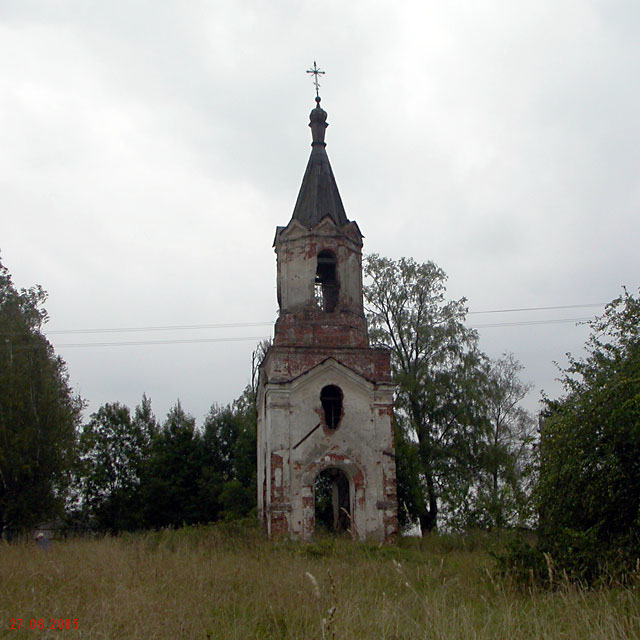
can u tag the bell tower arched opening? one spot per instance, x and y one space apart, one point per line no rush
327 287
332 501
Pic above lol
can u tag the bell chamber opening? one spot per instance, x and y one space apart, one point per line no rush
327 288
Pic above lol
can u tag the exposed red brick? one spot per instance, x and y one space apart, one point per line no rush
279 524
289 362
277 490
358 480
390 527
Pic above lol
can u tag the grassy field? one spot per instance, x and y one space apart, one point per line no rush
226 582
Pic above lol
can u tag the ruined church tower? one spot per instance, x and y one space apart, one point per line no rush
325 439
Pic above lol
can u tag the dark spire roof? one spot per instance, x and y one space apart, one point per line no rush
319 196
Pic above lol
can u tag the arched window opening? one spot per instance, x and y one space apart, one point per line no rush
332 501
331 398
327 289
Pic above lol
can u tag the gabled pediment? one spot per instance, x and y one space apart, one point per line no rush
292 231
338 372
353 230
325 228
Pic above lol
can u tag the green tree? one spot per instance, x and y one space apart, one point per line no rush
229 473
412 498
440 374
588 493
114 446
499 496
144 422
245 449
170 480
38 411
220 431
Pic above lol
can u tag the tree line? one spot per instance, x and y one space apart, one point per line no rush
133 472
468 455
121 470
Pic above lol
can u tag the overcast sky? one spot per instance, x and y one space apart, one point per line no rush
149 148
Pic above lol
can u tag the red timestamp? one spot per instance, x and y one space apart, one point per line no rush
60 624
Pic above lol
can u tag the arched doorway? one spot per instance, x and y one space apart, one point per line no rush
332 501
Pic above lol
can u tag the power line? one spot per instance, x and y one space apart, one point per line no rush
231 325
131 343
530 322
165 328
143 342
567 306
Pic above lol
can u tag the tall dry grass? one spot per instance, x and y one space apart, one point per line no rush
226 582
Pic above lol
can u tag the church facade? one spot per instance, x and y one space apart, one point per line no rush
325 435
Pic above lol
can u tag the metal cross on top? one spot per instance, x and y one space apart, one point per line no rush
316 72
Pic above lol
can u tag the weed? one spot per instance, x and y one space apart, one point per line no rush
230 583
